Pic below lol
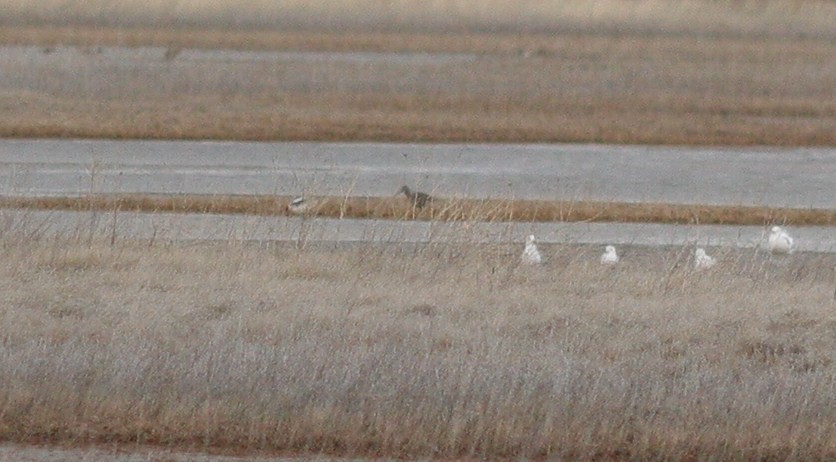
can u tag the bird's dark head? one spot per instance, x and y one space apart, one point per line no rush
404 189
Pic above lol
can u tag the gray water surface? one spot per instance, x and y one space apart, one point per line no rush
791 177
163 227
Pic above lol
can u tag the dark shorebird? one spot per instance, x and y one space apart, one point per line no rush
419 199
171 53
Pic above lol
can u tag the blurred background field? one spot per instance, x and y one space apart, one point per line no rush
768 17
676 72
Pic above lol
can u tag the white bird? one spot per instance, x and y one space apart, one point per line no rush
298 206
702 260
531 256
779 241
610 257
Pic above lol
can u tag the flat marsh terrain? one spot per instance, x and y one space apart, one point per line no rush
443 351
431 351
612 72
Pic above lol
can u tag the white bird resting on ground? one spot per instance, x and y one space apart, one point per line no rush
531 256
610 257
702 260
298 206
779 241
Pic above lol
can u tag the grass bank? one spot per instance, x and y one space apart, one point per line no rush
437 351
399 208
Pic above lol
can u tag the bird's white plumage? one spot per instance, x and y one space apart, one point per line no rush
298 206
779 241
531 256
702 260
610 256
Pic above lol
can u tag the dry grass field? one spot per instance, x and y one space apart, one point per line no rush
432 351
606 71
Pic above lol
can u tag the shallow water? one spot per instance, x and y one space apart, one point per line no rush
793 177
204 227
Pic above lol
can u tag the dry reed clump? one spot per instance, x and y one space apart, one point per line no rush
423 351
455 209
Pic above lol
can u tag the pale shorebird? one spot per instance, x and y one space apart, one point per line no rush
702 260
298 206
530 255
609 257
779 241
418 199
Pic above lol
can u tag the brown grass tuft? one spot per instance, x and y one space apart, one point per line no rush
468 210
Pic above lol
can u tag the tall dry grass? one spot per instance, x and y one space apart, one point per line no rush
427 351
440 209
